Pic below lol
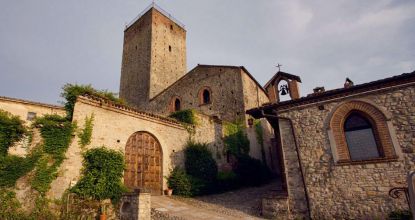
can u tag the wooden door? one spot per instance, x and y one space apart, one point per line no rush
143 159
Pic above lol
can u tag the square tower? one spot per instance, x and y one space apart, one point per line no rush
154 56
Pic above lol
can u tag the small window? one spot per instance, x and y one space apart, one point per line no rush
206 96
169 48
360 138
31 116
171 27
177 105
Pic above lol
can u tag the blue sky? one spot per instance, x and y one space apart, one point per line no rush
47 43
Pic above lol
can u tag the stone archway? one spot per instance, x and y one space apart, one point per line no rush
143 157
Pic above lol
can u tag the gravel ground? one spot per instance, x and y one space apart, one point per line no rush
242 203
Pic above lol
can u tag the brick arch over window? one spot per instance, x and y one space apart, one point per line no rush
379 125
176 104
205 93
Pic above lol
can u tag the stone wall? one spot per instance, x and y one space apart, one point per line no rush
353 190
113 125
226 92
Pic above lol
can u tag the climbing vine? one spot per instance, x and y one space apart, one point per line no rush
86 133
236 140
259 131
56 132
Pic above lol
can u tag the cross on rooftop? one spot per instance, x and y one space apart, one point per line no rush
279 67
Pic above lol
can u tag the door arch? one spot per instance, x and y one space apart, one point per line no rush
143 157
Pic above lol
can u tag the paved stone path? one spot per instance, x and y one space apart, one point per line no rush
239 204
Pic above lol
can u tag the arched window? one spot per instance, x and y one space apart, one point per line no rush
360 138
360 132
206 96
177 105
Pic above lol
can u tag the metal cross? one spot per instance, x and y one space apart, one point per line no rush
279 67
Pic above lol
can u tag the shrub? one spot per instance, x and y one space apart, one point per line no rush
199 162
101 175
12 130
180 182
187 116
71 92
251 172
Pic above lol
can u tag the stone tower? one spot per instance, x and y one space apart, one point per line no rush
154 56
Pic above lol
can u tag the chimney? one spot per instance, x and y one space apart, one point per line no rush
349 83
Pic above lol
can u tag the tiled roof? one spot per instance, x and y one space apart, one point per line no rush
330 94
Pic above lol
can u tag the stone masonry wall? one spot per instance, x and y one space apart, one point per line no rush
358 190
226 93
114 125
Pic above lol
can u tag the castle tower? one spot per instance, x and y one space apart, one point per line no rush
154 56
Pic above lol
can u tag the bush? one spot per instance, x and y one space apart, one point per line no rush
251 172
12 130
187 116
101 175
199 162
180 182
71 92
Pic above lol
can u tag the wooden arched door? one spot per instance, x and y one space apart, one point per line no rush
143 159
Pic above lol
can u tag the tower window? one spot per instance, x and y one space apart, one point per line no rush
171 27
360 137
177 105
169 48
205 96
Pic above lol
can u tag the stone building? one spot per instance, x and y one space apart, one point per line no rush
342 150
338 152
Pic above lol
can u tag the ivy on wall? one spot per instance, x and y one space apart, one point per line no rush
236 140
259 131
12 130
86 133
56 132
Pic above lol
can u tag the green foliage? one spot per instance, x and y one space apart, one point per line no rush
12 130
42 210
199 161
187 116
86 133
259 131
13 167
180 182
10 206
101 175
251 171
56 132
226 180
236 141
71 92
400 215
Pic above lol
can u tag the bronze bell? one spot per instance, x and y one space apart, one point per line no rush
284 89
